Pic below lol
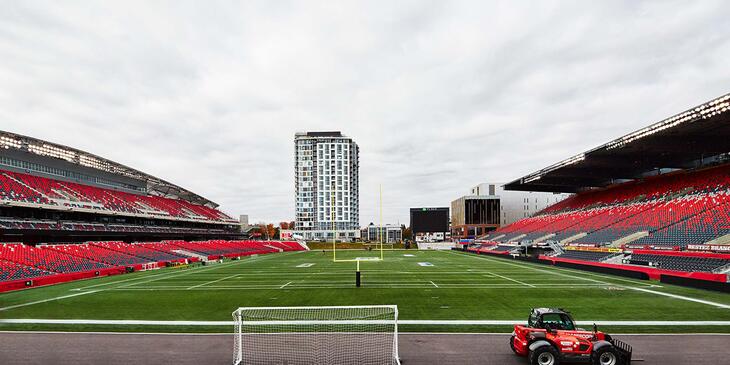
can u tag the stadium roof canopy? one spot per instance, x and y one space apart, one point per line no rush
155 186
697 137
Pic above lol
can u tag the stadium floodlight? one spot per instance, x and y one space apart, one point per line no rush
316 335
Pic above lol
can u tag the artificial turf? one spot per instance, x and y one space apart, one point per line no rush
456 286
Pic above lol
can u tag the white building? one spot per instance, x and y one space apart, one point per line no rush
516 205
326 172
388 233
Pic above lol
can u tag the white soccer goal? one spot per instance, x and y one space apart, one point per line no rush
316 335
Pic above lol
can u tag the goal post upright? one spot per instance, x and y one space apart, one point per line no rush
381 228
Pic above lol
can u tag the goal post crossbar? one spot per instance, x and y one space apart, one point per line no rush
393 307
363 259
316 335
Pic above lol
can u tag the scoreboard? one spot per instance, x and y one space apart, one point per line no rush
429 220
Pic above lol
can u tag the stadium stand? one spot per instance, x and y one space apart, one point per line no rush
680 263
99 253
677 210
226 248
658 197
10 271
140 250
52 196
11 189
285 245
711 221
502 248
35 189
54 193
20 262
47 258
588 255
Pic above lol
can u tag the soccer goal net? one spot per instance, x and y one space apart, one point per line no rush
316 335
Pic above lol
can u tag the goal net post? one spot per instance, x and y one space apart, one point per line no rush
316 335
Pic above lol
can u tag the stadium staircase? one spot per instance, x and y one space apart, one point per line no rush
275 248
723 269
183 252
557 248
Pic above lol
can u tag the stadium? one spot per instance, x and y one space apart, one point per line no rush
100 255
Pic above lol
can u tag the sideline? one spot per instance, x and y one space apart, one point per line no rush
416 322
47 300
530 266
400 334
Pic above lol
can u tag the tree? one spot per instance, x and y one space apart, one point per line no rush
407 233
270 231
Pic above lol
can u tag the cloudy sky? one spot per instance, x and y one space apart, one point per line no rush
439 95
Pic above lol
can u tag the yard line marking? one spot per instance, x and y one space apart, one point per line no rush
303 286
417 322
510 279
434 284
285 285
47 300
212 281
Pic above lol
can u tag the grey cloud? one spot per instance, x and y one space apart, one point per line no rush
439 95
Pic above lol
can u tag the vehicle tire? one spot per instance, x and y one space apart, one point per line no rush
544 355
606 356
512 344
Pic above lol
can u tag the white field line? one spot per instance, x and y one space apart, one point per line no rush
386 283
226 334
351 285
503 261
513 280
346 322
347 283
47 300
680 297
285 285
206 269
643 283
123 281
163 275
675 296
371 273
434 284
212 281
178 274
155 277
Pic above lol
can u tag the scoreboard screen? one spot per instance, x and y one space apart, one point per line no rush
429 220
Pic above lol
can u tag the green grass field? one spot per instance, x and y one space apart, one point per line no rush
452 286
